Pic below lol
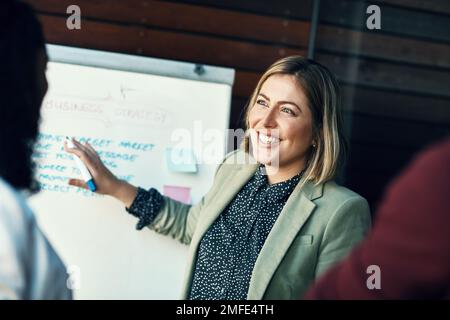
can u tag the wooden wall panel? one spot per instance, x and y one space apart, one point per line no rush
382 46
165 44
188 19
395 83
433 6
395 20
403 134
388 75
295 9
396 105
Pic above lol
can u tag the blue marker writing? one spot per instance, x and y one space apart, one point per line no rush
84 171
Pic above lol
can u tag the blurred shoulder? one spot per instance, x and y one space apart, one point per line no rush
10 199
14 212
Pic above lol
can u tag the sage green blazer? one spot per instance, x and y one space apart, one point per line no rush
317 227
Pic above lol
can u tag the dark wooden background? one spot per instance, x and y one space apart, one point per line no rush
395 81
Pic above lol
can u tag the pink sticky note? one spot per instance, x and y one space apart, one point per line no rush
182 194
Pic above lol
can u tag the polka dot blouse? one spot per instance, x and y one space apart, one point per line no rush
229 249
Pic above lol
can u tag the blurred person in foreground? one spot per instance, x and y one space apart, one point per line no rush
29 267
410 241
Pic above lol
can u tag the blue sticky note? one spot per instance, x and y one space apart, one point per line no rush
181 160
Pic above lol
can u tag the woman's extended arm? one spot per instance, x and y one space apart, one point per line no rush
159 213
107 183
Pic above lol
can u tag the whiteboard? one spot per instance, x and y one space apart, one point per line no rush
131 109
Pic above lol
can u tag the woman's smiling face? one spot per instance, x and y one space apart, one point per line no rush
281 123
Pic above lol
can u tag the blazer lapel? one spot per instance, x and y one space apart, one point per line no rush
229 191
296 211
237 179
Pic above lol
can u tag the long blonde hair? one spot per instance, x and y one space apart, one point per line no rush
322 91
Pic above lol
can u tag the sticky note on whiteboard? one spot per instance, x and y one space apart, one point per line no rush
182 194
181 160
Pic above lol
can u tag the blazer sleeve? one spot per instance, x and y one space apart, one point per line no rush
345 229
179 220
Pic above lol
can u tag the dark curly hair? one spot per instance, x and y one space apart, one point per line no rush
21 39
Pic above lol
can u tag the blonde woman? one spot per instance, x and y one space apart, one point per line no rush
266 229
